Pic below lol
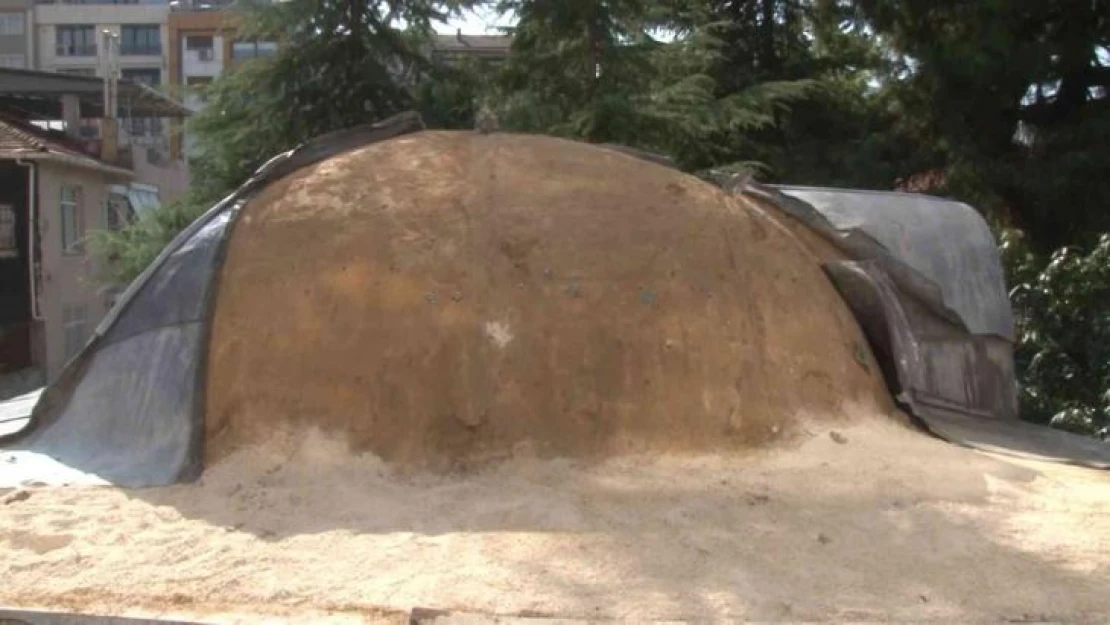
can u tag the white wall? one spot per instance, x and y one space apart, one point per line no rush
111 17
192 65
68 280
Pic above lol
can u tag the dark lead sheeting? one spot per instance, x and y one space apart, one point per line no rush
925 281
129 408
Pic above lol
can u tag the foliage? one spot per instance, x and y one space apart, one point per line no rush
129 251
341 63
1062 309
597 71
1012 97
450 95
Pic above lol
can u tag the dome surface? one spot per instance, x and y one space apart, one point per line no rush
444 299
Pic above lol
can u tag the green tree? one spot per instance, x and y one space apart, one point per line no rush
634 72
1014 98
1063 321
340 63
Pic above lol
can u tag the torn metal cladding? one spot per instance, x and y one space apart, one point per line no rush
129 407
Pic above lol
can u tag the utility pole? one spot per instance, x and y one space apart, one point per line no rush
109 125
109 61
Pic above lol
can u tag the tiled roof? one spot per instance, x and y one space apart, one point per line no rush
21 140
12 137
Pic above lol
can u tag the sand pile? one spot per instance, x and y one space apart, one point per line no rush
869 522
444 299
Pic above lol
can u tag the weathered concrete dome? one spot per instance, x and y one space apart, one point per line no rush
447 298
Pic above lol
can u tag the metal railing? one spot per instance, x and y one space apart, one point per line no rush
141 50
76 49
200 5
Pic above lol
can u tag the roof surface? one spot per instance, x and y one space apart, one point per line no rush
38 92
23 141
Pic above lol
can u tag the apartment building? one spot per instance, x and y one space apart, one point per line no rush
202 43
70 35
199 46
16 49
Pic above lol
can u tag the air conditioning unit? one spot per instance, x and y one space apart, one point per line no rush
206 54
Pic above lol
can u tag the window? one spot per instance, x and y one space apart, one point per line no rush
73 222
199 42
11 23
243 50
78 71
8 245
17 61
117 211
143 126
76 40
141 39
148 77
75 321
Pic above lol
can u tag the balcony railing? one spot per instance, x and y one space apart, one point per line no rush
141 50
76 49
200 5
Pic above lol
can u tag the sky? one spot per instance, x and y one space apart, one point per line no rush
475 23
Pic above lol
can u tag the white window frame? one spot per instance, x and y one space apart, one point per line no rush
13 24
13 61
72 242
9 234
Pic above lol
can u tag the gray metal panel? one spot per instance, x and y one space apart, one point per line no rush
176 292
130 418
1017 438
36 617
947 242
926 360
874 301
129 407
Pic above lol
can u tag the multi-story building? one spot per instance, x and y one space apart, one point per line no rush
56 189
70 36
70 39
16 50
201 45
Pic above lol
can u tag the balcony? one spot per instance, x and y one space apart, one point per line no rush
91 2
200 5
75 49
140 50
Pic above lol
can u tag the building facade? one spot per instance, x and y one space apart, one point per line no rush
52 294
16 47
199 48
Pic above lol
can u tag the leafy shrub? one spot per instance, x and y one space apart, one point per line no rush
125 253
1062 311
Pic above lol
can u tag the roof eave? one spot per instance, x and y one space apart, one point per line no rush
65 159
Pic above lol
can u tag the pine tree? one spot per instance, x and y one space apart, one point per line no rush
634 72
